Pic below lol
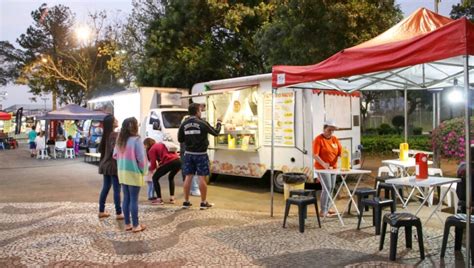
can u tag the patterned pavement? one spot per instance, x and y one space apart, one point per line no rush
70 234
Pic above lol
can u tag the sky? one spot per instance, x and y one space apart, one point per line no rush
15 18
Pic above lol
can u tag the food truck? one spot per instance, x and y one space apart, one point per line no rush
244 104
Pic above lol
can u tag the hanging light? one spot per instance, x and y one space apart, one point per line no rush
455 95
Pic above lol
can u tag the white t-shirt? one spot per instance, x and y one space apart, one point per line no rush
40 143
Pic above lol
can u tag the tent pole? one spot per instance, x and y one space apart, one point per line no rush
434 110
467 127
406 113
438 108
272 162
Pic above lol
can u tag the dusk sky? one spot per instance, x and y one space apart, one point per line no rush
15 19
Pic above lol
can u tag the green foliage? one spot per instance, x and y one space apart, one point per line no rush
398 121
194 41
465 9
386 129
385 144
202 40
306 32
417 130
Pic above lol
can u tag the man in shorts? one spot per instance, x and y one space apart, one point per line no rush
193 132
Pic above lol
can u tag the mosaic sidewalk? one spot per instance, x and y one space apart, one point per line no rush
70 234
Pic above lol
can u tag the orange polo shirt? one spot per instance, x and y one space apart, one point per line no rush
327 149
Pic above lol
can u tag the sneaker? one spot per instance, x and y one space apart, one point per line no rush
195 193
187 204
206 205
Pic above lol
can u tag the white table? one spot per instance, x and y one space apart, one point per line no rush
413 152
431 183
343 174
404 166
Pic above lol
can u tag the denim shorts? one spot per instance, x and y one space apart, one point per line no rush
196 164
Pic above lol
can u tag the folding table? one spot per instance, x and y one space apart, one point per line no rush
344 174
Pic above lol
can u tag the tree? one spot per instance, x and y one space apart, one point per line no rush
368 97
202 40
54 60
465 9
306 32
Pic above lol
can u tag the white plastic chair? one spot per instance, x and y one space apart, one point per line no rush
60 146
452 191
70 153
42 153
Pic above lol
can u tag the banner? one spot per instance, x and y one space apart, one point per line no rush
18 116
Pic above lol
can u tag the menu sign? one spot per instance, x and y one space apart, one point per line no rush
284 116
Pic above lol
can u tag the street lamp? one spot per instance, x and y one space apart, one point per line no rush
83 34
44 99
121 81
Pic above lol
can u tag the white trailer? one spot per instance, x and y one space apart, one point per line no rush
165 107
243 147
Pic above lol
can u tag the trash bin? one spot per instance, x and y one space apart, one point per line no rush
293 181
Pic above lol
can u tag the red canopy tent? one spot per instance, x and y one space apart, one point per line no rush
424 37
5 116
423 51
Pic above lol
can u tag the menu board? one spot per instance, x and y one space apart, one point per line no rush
284 116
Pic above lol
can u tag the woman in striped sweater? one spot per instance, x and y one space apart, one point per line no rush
131 167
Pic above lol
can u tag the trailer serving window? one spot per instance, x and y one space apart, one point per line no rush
239 114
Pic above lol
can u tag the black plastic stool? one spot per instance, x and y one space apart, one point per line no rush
302 202
397 220
362 193
305 192
378 205
389 191
459 223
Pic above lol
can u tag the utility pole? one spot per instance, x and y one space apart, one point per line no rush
436 5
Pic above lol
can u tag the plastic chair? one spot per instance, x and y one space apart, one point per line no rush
60 147
385 171
70 153
42 153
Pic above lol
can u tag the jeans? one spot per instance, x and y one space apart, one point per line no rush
151 189
329 181
110 180
130 203
172 167
195 185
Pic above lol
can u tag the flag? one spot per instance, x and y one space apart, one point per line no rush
19 115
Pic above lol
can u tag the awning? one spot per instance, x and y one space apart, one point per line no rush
5 116
423 51
73 112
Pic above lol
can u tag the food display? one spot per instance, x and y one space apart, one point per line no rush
239 114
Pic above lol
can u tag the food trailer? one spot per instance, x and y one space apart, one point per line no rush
244 105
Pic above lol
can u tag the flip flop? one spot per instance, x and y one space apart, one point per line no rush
128 228
139 228
119 217
172 201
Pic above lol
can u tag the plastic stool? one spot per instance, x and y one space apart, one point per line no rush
397 220
362 193
70 153
459 223
43 153
301 202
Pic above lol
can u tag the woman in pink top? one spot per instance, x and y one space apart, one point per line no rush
167 162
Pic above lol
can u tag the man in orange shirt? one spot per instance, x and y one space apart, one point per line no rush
326 151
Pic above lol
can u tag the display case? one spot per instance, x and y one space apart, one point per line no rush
237 109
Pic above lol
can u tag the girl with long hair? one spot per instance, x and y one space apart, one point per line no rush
108 167
168 162
131 166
